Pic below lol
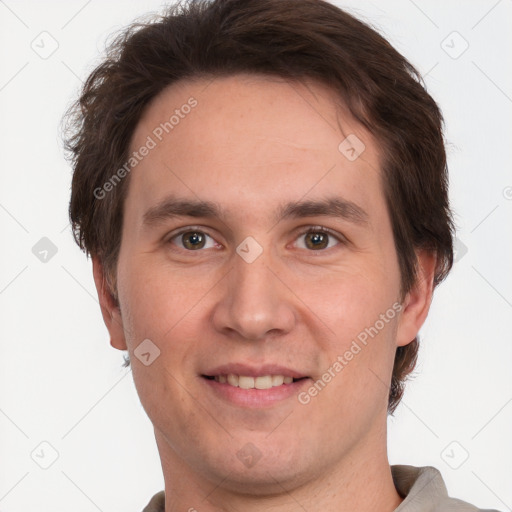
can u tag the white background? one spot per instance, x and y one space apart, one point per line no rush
62 383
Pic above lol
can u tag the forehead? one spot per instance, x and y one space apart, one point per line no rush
251 140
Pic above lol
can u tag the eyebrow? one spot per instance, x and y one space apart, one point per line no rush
172 207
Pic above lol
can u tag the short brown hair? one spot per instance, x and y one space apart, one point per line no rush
291 39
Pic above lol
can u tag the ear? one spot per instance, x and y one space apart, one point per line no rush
109 306
417 301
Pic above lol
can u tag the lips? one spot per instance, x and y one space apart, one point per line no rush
250 377
247 386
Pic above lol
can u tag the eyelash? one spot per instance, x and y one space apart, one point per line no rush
306 230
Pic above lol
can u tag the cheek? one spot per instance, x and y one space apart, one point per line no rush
156 297
363 316
356 300
359 370
157 308
162 305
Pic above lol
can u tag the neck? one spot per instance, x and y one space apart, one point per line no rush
362 481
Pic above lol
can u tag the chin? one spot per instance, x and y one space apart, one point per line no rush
260 474
264 481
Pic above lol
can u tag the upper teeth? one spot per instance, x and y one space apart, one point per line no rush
245 382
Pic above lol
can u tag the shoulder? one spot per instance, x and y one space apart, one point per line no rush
424 490
156 504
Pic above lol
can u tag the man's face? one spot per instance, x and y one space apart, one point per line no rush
256 293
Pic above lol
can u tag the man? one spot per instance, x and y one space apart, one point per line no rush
262 187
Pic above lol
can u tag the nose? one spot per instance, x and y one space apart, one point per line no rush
255 302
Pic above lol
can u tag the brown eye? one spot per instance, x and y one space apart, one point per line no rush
192 240
319 238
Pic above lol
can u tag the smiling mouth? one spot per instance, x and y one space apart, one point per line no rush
247 382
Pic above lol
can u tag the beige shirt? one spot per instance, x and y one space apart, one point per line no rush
423 489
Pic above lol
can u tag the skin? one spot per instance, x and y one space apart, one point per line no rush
250 144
